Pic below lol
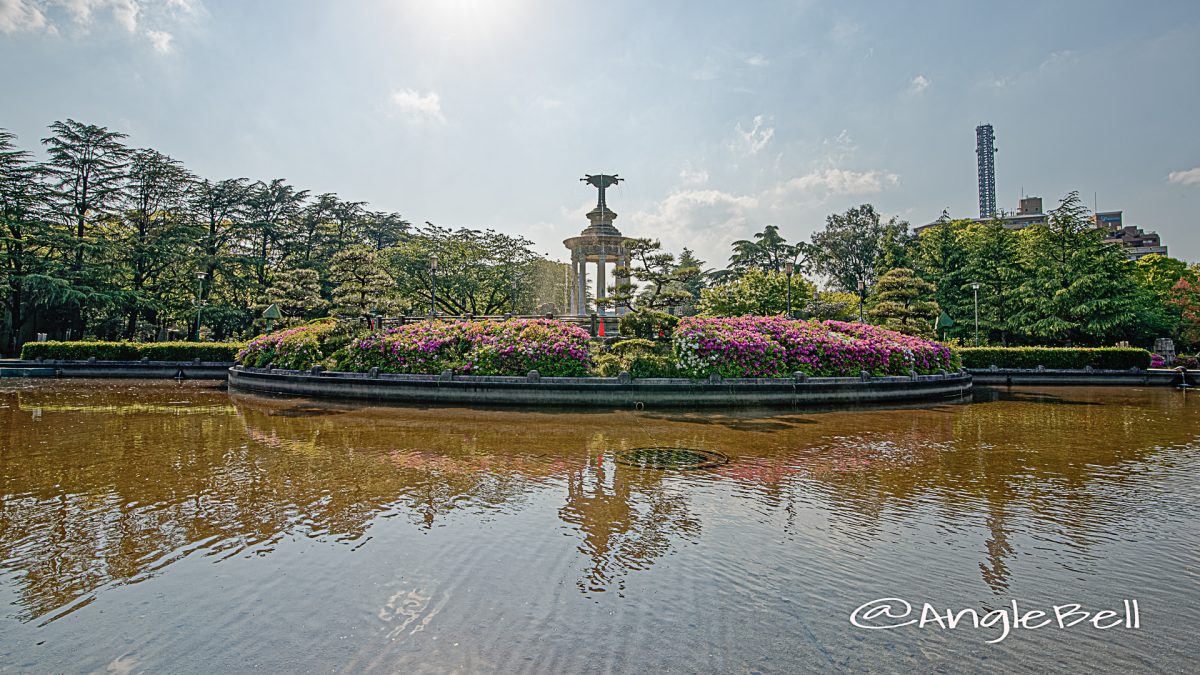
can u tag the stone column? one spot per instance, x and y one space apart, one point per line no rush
601 292
581 285
626 278
573 283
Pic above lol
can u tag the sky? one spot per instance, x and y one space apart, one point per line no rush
722 117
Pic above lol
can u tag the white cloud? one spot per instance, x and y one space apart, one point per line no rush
129 15
124 12
690 176
20 15
918 84
417 106
160 40
755 138
757 60
707 221
842 182
1188 177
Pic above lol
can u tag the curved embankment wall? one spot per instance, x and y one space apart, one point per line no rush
613 392
188 370
1134 377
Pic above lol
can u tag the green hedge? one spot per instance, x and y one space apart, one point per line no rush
1103 358
647 323
132 351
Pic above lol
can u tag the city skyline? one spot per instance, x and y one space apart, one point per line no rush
473 114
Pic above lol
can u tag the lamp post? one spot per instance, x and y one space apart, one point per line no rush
975 289
199 301
514 295
862 296
433 260
789 268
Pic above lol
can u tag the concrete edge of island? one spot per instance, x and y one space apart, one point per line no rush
613 392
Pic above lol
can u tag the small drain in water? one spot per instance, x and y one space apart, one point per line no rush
670 458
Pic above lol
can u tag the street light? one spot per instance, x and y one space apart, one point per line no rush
514 295
862 296
975 288
199 301
789 267
433 284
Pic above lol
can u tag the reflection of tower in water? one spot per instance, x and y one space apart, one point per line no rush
626 515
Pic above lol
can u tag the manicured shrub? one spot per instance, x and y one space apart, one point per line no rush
513 347
648 324
641 358
760 346
1068 358
297 348
132 351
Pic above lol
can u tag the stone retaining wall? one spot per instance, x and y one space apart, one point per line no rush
188 370
610 392
1134 377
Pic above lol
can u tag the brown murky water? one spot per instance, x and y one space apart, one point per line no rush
181 528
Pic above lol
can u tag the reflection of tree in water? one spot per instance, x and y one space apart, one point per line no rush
1032 464
100 494
627 517
108 486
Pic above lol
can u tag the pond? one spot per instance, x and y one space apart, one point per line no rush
160 526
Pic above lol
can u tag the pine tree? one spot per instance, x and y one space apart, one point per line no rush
362 287
904 302
661 283
1078 290
297 293
87 167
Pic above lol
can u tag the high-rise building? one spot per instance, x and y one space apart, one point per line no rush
985 151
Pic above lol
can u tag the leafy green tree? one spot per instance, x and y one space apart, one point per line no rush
755 293
993 260
768 251
361 284
940 257
20 226
848 250
297 292
475 275
904 302
86 166
383 230
1079 290
1159 273
896 248
1185 297
696 282
156 233
273 209
661 283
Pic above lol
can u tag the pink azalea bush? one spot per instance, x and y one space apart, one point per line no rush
513 347
774 346
1157 361
297 348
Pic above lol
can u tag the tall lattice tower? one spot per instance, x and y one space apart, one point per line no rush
985 151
